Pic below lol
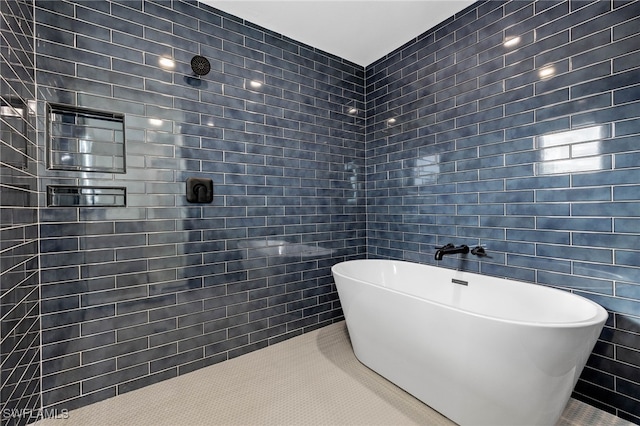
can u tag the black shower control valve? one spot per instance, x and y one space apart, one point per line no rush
199 190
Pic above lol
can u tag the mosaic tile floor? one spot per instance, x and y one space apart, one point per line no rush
313 379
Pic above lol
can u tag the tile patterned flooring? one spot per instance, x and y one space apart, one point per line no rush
312 379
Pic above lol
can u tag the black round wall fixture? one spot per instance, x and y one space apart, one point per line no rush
200 65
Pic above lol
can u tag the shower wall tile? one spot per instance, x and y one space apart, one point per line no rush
19 288
161 287
541 169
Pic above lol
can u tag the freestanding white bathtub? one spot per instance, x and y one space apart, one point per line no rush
488 352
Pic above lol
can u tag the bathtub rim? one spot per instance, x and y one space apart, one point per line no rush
600 316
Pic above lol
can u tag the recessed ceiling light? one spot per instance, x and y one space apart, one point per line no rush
353 110
391 121
255 84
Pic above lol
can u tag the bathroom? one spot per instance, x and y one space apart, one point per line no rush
511 125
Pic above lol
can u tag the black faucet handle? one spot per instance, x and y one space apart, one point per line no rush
479 251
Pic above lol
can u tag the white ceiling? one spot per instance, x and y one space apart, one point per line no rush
357 30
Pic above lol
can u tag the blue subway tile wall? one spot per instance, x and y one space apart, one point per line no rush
137 294
514 125
19 280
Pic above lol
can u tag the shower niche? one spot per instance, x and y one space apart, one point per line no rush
86 196
80 139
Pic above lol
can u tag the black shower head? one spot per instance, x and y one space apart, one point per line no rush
200 65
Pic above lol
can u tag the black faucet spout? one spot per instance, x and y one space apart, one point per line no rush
451 249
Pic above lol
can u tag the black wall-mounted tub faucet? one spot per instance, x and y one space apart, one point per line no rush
450 249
